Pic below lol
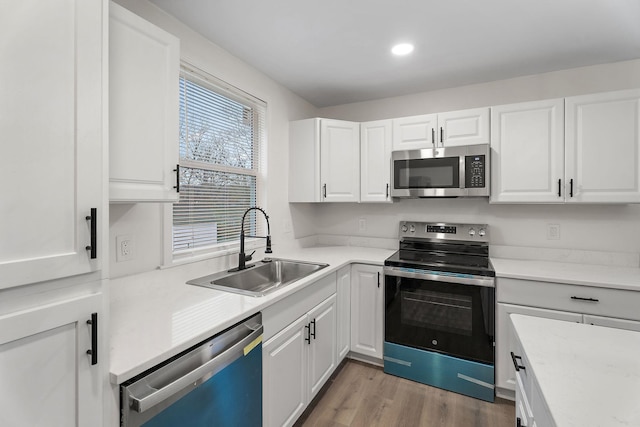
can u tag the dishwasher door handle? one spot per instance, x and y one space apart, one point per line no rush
214 365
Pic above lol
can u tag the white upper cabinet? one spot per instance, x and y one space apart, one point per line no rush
454 128
527 152
415 132
375 161
602 143
588 153
324 161
51 121
144 65
465 127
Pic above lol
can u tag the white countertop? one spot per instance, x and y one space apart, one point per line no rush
571 273
156 315
588 375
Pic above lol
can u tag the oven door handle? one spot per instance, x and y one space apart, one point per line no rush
463 279
214 365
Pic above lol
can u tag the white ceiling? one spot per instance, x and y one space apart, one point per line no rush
334 52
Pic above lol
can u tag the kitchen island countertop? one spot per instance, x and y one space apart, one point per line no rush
588 375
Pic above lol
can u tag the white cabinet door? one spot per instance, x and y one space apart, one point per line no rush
323 346
284 362
343 295
340 160
527 152
47 375
464 127
367 300
51 121
610 322
602 146
375 161
506 341
143 109
415 132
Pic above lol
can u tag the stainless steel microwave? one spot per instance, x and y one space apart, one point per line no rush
461 171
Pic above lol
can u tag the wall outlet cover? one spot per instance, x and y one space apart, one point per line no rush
553 231
125 247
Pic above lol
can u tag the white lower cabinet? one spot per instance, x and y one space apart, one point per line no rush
297 362
505 339
367 301
343 294
574 303
47 376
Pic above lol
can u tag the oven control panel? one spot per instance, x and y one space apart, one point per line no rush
444 231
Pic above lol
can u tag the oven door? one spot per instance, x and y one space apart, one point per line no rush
453 314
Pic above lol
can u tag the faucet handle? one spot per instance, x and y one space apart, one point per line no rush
248 257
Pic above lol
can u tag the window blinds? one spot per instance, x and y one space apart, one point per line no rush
221 133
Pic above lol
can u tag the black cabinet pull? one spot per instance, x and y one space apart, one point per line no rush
308 337
560 188
324 191
585 299
515 362
93 225
433 136
378 279
177 171
387 190
93 352
441 135
519 422
571 187
313 334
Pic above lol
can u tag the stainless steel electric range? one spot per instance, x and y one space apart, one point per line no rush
440 308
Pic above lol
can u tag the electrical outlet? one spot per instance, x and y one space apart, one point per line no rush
553 231
362 225
125 247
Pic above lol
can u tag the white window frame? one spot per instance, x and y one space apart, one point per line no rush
226 248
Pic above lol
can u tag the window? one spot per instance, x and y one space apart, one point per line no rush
221 135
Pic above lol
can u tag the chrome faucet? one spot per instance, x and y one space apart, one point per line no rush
242 257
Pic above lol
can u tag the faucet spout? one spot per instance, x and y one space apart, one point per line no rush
242 257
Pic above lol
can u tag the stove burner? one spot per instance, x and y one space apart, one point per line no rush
456 248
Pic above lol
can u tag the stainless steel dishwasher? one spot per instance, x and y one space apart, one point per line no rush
216 383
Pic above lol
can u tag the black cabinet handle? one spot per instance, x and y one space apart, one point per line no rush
441 135
560 188
177 171
93 352
313 334
585 299
378 279
519 422
93 247
308 328
571 187
387 190
515 362
324 191
433 136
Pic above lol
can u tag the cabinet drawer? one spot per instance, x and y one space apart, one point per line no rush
575 298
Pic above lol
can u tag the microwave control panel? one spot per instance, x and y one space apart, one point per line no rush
474 171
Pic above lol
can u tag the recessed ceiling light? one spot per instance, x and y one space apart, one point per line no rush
402 49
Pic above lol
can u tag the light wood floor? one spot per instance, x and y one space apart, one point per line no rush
363 395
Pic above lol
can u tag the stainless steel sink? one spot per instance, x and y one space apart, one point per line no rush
260 278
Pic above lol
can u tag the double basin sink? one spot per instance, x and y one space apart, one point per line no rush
259 278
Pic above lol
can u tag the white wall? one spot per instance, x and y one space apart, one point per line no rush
585 227
144 221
